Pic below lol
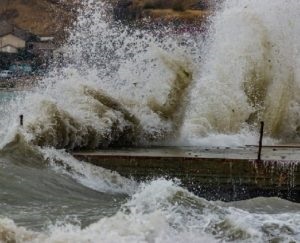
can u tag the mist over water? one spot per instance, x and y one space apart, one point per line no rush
122 86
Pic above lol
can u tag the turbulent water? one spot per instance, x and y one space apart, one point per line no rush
123 86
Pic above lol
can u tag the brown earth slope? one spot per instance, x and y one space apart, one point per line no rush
41 17
53 17
168 10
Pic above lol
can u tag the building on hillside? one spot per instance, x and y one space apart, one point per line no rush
12 38
46 38
10 43
41 49
8 48
20 48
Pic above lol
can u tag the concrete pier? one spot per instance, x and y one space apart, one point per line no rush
214 173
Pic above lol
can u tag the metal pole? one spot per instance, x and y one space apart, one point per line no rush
262 124
21 120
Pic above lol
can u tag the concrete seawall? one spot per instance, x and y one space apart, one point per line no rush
214 173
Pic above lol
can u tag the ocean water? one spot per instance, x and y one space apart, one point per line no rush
119 86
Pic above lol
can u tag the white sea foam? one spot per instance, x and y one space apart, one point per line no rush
89 175
161 211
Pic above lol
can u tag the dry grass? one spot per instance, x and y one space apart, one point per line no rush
170 14
169 10
51 17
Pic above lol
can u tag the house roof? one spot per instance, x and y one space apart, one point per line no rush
46 38
42 45
7 46
7 28
2 48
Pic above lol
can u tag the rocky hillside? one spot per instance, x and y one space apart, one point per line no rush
41 17
52 17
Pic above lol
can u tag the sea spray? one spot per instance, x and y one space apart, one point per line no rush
123 86
116 86
250 71
112 89
99 119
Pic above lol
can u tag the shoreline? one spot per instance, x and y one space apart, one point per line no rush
19 84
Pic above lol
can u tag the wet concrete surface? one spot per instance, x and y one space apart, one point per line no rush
282 153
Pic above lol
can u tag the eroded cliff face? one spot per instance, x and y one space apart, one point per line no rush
41 17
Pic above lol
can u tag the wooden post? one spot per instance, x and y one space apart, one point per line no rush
262 124
21 120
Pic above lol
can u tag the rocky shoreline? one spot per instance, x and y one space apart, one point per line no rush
19 83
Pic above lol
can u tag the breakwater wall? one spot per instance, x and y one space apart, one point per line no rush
213 173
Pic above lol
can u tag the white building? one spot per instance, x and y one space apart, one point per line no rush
8 49
12 39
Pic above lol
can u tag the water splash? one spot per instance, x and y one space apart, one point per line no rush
250 72
120 86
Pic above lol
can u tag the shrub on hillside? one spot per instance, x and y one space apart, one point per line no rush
158 4
149 5
178 6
